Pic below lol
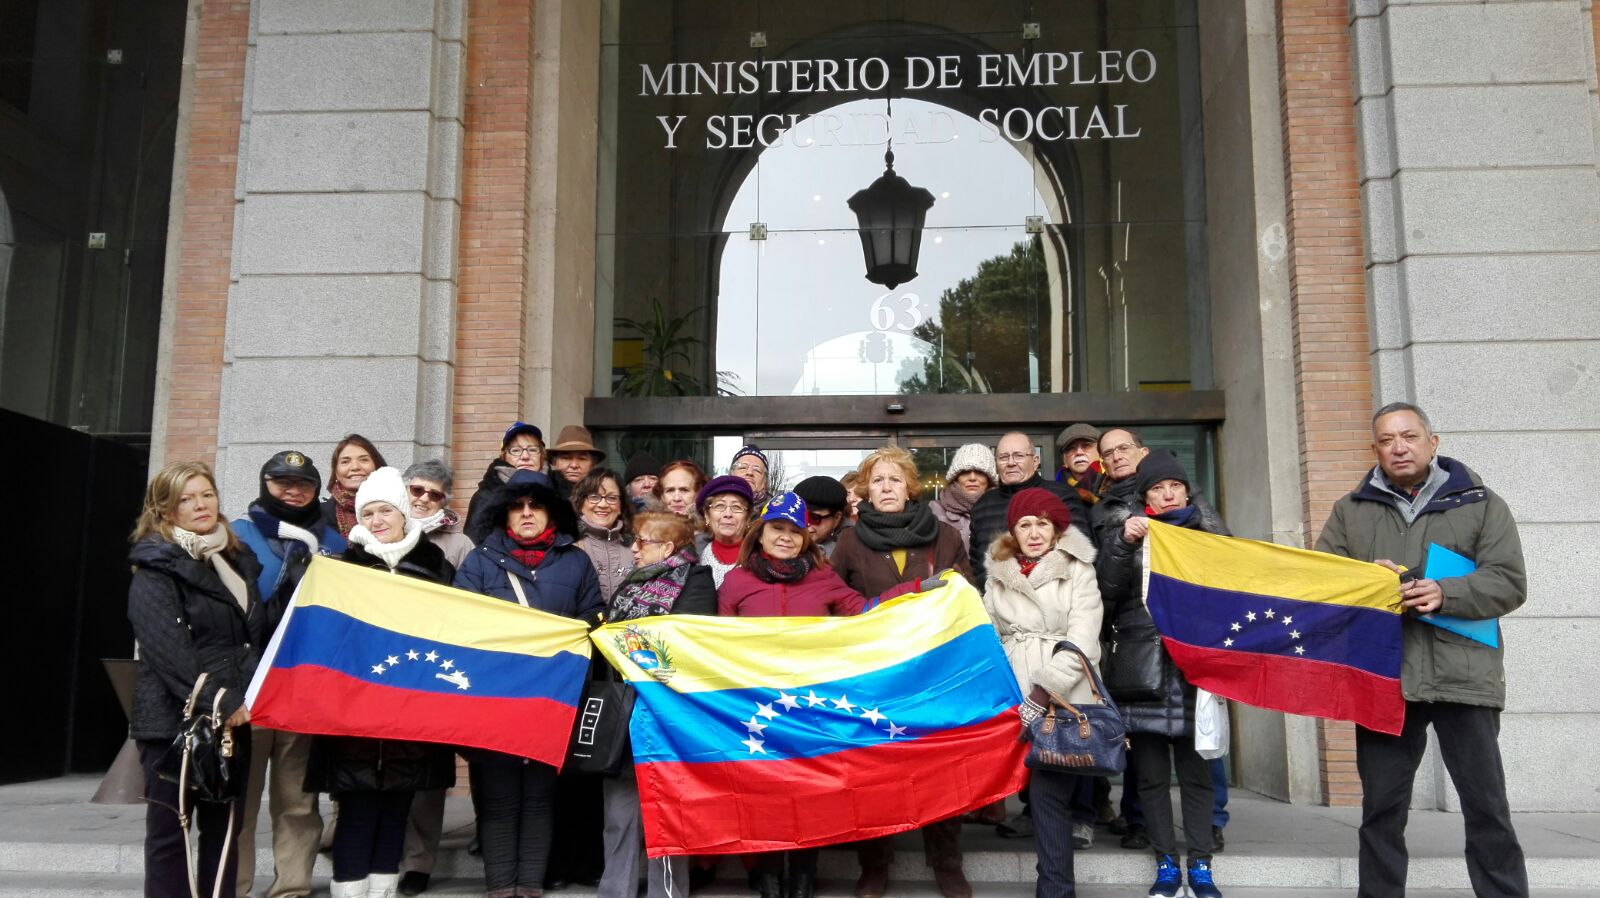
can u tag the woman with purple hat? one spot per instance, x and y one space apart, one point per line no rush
521 449
724 505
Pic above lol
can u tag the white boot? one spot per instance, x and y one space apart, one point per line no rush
382 885
356 889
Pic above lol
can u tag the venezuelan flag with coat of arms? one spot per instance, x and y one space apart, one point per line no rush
1278 627
364 652
766 733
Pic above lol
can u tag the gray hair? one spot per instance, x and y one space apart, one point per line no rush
1391 408
433 469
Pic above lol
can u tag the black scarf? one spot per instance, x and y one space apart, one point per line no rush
883 531
779 570
305 517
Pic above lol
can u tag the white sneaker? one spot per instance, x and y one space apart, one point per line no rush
382 885
354 889
1082 836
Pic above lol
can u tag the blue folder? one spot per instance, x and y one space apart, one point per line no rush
1443 563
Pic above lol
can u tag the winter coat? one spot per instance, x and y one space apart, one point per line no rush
187 623
820 593
1121 568
873 573
609 553
1463 516
1118 501
351 763
564 583
450 540
479 524
1058 600
283 561
948 512
989 518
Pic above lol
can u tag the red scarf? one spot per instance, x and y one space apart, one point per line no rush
726 554
344 508
1027 564
532 551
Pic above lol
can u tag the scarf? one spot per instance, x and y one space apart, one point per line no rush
652 589
1084 487
344 507
305 516
531 552
1178 517
779 570
882 531
209 548
957 502
391 554
441 519
1027 564
727 554
274 527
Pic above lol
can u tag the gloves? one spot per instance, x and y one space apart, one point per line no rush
1033 708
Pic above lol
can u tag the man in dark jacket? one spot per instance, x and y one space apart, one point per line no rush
1019 470
1411 499
1121 450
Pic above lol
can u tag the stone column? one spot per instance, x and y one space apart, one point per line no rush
1482 215
341 312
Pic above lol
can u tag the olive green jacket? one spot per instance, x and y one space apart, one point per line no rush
1466 517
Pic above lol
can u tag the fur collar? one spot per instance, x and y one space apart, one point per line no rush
1055 565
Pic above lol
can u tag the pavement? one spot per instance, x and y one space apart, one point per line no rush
54 842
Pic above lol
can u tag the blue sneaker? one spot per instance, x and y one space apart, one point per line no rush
1200 884
1169 878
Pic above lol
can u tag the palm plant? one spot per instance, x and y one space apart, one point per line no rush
667 357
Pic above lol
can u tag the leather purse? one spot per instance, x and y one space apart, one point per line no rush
1085 739
201 757
1133 662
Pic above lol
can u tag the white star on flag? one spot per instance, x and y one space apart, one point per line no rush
412 655
1287 620
446 665
1294 634
813 699
754 726
1226 643
377 668
755 745
1250 616
1271 613
788 701
1236 626
765 711
895 731
392 661
873 716
432 657
843 703
1299 650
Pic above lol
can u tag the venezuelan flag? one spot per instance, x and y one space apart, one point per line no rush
758 734
367 653
1277 627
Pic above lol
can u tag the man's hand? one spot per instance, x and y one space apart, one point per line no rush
1384 562
1134 529
240 717
1422 596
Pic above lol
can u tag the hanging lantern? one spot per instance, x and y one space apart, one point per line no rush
889 213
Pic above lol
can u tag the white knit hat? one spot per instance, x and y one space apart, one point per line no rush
382 485
973 457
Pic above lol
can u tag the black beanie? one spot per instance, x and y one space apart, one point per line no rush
641 464
822 492
1156 467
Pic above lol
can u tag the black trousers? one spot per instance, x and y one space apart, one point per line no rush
1153 759
166 859
515 820
371 835
1054 795
1469 743
801 860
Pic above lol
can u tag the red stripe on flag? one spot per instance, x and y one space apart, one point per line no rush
310 699
728 807
1294 685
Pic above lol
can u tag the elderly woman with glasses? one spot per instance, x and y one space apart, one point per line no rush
724 504
428 485
605 522
521 449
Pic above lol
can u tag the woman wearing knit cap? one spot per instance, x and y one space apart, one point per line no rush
971 474
428 489
521 449
751 464
826 502
640 477
1161 732
897 540
724 506
605 522
375 780
354 457
1041 590
195 611
678 485
528 557
285 530
667 579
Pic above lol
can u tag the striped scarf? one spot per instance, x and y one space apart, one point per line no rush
652 589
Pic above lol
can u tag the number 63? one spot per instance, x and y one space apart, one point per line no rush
904 315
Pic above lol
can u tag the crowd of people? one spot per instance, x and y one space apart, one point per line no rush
551 527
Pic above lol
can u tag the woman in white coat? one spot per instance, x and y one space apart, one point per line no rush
1041 590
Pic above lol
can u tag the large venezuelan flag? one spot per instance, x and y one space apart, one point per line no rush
764 733
1278 627
368 653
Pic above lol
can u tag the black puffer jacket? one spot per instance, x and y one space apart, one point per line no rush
350 763
989 519
1120 570
187 623
1119 501
477 525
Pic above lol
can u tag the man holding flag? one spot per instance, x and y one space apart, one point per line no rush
1411 505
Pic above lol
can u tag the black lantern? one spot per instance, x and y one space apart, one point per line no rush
890 213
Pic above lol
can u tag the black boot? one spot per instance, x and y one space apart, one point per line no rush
802 884
770 885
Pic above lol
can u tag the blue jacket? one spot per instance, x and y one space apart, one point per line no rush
564 582
278 579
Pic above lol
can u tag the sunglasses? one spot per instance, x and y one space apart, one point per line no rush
820 517
525 505
418 491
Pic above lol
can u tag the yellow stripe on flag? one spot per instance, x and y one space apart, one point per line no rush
430 611
784 652
1268 569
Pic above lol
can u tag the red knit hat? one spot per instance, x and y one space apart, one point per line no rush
1038 503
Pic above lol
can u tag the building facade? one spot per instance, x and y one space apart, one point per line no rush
1236 225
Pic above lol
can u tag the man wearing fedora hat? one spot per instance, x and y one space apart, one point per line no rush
572 458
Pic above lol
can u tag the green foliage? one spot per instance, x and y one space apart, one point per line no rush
983 326
669 355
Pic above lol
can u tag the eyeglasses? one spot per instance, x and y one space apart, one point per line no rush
418 491
1124 449
641 541
747 468
724 507
600 499
1013 457
525 504
820 517
520 451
